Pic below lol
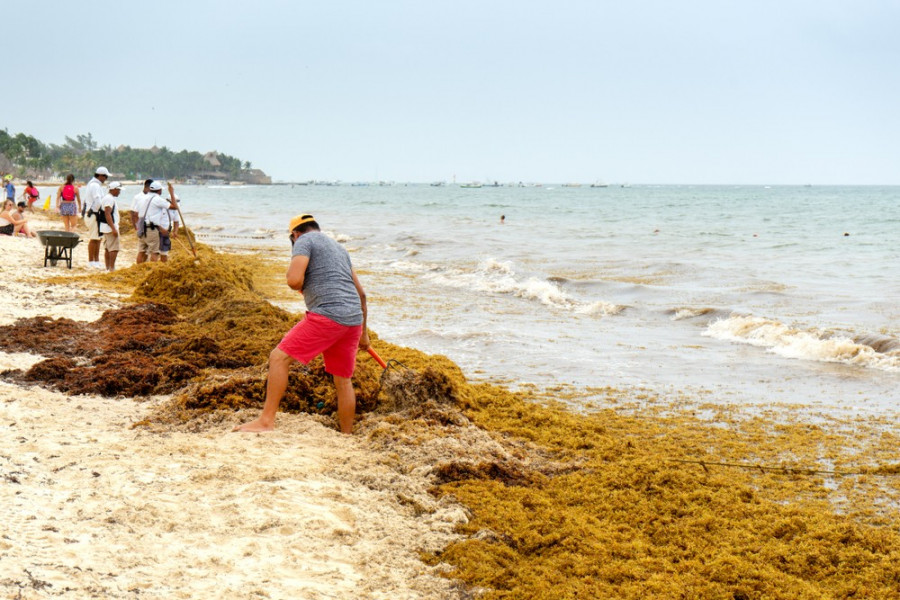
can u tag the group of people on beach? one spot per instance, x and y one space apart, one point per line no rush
320 269
30 194
156 221
12 215
13 220
154 218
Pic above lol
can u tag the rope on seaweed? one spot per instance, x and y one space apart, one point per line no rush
233 237
894 470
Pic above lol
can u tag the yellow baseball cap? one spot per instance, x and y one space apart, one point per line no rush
300 220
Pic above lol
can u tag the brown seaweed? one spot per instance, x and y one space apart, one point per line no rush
562 504
200 324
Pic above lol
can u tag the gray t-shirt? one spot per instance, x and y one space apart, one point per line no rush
328 288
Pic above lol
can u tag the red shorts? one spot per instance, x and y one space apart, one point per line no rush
316 335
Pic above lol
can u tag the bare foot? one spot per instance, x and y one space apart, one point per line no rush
256 426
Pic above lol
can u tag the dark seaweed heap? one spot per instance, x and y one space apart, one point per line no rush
199 329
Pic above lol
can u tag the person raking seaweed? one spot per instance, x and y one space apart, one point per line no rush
334 325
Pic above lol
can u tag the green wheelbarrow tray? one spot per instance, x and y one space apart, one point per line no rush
58 245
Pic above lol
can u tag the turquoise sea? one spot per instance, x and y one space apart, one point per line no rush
730 294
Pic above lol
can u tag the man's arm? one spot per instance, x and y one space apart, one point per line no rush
364 338
96 195
296 272
133 213
160 203
109 219
172 204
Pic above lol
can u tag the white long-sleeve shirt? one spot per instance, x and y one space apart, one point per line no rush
93 198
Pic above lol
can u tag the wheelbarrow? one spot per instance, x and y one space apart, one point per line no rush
58 245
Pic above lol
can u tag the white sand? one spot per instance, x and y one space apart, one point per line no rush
22 273
91 508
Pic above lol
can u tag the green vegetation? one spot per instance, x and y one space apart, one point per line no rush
29 157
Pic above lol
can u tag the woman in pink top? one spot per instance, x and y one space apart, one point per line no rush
30 195
68 202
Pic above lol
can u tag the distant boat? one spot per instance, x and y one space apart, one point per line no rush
471 185
599 184
438 184
571 185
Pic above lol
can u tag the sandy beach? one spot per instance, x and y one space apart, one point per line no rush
94 508
448 488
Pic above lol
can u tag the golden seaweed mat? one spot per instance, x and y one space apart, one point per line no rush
634 495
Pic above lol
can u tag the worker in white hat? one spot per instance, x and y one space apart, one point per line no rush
109 225
153 211
93 203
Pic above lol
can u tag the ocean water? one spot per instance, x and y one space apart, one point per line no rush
737 294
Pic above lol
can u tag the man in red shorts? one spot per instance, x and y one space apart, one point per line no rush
334 326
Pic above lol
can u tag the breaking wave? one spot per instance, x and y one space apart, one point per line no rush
498 277
878 352
685 312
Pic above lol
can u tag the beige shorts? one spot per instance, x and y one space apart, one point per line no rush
150 242
142 244
111 241
93 227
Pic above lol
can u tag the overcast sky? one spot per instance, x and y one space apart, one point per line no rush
774 92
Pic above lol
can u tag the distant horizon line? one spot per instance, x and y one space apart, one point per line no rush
479 185
571 184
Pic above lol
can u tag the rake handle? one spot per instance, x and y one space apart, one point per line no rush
377 358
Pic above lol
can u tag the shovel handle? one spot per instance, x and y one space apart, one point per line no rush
377 358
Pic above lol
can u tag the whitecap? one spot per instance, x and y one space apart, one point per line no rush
493 276
685 312
799 343
600 308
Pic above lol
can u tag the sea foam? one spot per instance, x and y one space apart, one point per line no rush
491 276
800 343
